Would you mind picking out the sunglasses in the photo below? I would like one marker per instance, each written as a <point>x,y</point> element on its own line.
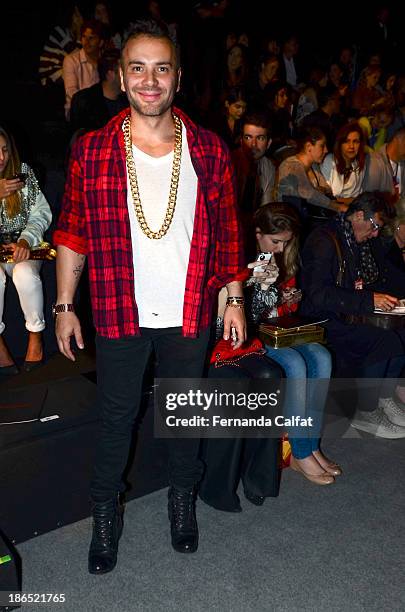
<point>375,225</point>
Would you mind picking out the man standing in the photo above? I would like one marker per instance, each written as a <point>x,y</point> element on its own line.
<point>150,201</point>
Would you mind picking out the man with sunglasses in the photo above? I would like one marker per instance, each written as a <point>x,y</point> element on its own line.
<point>346,279</point>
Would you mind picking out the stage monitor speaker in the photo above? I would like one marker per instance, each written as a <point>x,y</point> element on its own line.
<point>48,433</point>
<point>10,573</point>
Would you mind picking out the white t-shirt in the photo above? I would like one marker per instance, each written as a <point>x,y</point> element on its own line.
<point>160,266</point>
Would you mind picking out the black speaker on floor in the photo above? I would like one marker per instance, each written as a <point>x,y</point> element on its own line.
<point>48,432</point>
<point>10,573</point>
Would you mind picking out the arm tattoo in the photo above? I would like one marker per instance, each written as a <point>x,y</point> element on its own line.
<point>79,268</point>
<point>77,271</point>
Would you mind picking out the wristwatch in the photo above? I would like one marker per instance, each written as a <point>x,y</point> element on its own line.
<point>57,308</point>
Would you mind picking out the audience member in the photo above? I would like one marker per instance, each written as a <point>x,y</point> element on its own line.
<point>94,106</point>
<point>326,117</point>
<point>63,39</point>
<point>227,123</point>
<point>394,236</point>
<point>386,170</point>
<point>308,100</point>
<point>255,173</point>
<point>299,176</point>
<point>345,277</point>
<point>24,217</point>
<point>103,13</point>
<point>375,125</point>
<point>347,63</point>
<point>336,79</point>
<point>80,66</point>
<point>270,45</point>
<point>345,168</point>
<point>399,107</point>
<point>367,93</point>
<point>236,69</point>
<point>277,230</point>
<point>291,71</point>
<point>278,100</point>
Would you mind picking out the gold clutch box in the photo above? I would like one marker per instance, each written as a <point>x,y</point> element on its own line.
<point>282,337</point>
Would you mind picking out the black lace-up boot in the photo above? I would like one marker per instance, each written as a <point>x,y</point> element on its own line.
<point>183,522</point>
<point>107,529</point>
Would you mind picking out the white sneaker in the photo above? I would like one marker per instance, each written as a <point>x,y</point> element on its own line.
<point>393,411</point>
<point>376,423</point>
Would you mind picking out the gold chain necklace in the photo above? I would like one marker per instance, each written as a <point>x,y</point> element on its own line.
<point>174,182</point>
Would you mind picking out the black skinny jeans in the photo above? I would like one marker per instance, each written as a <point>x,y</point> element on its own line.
<point>121,366</point>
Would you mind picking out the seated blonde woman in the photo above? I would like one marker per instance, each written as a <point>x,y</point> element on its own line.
<point>24,217</point>
<point>367,93</point>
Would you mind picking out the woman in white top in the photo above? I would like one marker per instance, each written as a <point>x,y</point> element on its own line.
<point>344,169</point>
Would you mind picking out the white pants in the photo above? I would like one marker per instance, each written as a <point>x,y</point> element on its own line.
<point>27,281</point>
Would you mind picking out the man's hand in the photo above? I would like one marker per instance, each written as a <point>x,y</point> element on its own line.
<point>235,317</point>
<point>385,302</point>
<point>68,325</point>
<point>20,250</point>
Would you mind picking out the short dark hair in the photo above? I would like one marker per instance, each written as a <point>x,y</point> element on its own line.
<point>310,133</point>
<point>154,29</point>
<point>399,133</point>
<point>369,202</point>
<point>109,60</point>
<point>234,94</point>
<point>326,94</point>
<point>96,26</point>
<point>271,90</point>
<point>259,119</point>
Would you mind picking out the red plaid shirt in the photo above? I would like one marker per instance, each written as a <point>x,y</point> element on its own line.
<point>94,221</point>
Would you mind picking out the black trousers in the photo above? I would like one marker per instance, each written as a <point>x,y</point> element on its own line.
<point>121,366</point>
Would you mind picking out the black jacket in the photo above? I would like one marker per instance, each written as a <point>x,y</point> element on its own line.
<point>90,109</point>
<point>320,267</point>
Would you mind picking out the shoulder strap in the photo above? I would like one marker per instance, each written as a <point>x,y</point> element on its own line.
<point>342,263</point>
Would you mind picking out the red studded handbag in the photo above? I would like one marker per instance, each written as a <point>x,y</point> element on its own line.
<point>223,353</point>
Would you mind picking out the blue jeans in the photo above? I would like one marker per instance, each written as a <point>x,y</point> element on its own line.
<point>304,364</point>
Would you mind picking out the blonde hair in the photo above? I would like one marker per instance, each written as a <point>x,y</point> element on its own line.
<point>13,201</point>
